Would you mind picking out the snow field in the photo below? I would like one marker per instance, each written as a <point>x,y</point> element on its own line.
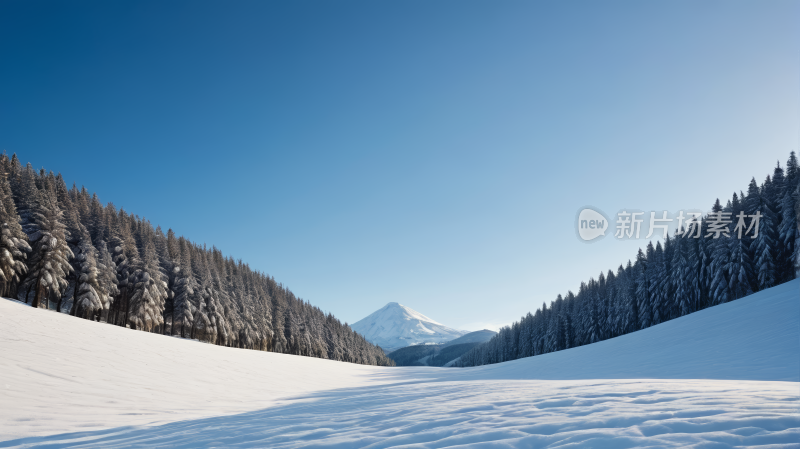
<point>724,377</point>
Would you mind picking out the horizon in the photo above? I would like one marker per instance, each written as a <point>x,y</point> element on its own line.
<point>360,163</point>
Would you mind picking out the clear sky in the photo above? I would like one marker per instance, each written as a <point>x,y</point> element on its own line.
<point>433,153</point>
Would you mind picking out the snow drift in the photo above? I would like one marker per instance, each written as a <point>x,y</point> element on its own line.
<point>724,377</point>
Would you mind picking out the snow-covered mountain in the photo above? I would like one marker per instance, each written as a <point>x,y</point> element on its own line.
<point>396,326</point>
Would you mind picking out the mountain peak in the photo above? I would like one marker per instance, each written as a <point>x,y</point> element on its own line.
<point>396,326</point>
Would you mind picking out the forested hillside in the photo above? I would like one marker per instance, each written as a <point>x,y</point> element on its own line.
<point>682,276</point>
<point>62,248</point>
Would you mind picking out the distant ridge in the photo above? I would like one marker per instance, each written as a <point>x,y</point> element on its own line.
<point>473,337</point>
<point>442,354</point>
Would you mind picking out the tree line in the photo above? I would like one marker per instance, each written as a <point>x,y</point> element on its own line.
<point>664,282</point>
<point>63,249</point>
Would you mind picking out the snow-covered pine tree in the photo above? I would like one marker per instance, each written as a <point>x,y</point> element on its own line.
<point>278,325</point>
<point>204,324</point>
<point>148,291</point>
<point>796,255</point>
<point>763,247</point>
<point>26,197</point>
<point>13,241</point>
<point>739,269</point>
<point>96,222</point>
<point>170,255</point>
<point>186,301</point>
<point>667,291</point>
<point>705,273</point>
<point>643,289</point>
<point>659,278</point>
<point>106,278</point>
<point>693,263</point>
<point>126,257</point>
<point>719,290</point>
<point>49,263</point>
<point>788,233</point>
<point>590,319</point>
<point>766,275</point>
<point>681,276</point>
<point>631,314</point>
<point>612,299</point>
<point>82,201</point>
<point>88,293</point>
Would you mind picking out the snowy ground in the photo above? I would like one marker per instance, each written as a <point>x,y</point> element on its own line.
<point>724,377</point>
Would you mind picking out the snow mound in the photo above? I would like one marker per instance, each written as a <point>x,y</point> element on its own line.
<point>396,326</point>
<point>724,377</point>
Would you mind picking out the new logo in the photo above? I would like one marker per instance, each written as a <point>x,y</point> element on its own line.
<point>591,224</point>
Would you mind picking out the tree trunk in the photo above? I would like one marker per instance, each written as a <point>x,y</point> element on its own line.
<point>127,306</point>
<point>28,293</point>
<point>60,300</point>
<point>36,295</point>
<point>74,299</point>
<point>118,306</point>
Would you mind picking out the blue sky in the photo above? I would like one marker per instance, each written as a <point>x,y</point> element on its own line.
<point>429,153</point>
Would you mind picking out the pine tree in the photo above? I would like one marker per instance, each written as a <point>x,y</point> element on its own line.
<point>106,279</point>
<point>88,293</point>
<point>51,253</point>
<point>788,233</point>
<point>796,254</point>
<point>13,242</point>
<point>26,195</point>
<point>738,270</point>
<point>681,279</point>
<point>186,301</point>
<point>705,273</point>
<point>148,292</point>
<point>126,257</point>
<point>643,287</point>
<point>659,278</point>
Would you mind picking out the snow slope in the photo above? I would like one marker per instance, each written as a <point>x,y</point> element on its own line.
<point>753,338</point>
<point>396,326</point>
<point>724,377</point>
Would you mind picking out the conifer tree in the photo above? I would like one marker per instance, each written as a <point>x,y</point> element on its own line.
<point>13,242</point>
<point>643,290</point>
<point>106,279</point>
<point>186,301</point>
<point>88,293</point>
<point>738,270</point>
<point>788,233</point>
<point>148,292</point>
<point>51,253</point>
<point>681,279</point>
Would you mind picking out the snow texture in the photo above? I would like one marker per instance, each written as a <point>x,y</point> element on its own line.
<point>723,377</point>
<point>396,326</point>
